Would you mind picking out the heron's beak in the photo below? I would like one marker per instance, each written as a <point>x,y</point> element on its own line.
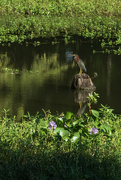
<point>72,54</point>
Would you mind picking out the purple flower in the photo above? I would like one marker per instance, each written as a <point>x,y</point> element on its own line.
<point>52,125</point>
<point>65,125</point>
<point>93,130</point>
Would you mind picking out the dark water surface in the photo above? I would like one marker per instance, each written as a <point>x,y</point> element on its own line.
<point>45,77</point>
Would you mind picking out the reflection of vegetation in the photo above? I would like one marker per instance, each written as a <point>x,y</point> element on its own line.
<point>10,70</point>
<point>4,60</point>
<point>47,65</point>
<point>5,67</point>
<point>42,69</point>
<point>16,86</point>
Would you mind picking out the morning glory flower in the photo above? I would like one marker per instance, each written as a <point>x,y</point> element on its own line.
<point>52,125</point>
<point>93,130</point>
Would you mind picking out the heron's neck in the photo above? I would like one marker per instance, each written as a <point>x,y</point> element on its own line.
<point>77,60</point>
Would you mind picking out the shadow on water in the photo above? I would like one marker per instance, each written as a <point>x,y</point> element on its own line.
<point>37,78</point>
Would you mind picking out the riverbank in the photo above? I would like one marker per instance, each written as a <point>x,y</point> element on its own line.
<point>67,147</point>
<point>92,20</point>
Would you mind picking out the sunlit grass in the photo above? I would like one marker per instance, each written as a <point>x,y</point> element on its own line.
<point>95,20</point>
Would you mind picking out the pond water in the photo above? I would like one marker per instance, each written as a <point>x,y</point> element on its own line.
<point>45,77</point>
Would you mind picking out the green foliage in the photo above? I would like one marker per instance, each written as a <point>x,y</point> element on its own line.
<point>31,149</point>
<point>92,20</point>
<point>93,98</point>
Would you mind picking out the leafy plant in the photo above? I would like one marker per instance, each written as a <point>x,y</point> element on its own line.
<point>95,21</point>
<point>46,143</point>
<point>93,99</point>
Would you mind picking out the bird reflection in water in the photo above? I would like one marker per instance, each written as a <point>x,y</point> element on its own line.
<point>80,97</point>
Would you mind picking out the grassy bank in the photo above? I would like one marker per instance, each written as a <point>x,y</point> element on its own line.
<point>57,147</point>
<point>95,20</point>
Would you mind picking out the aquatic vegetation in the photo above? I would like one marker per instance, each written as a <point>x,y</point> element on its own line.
<point>76,20</point>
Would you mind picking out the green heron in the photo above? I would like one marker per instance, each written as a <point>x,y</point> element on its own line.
<point>80,63</point>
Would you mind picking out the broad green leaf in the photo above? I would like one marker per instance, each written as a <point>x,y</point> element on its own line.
<point>76,122</point>
<point>68,115</point>
<point>95,113</point>
<point>57,130</point>
<point>66,138</point>
<point>63,133</point>
<point>75,137</point>
<point>60,119</point>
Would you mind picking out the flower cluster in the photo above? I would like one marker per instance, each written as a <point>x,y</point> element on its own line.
<point>52,125</point>
<point>93,130</point>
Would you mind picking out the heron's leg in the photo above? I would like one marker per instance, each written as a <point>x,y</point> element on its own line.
<point>80,72</point>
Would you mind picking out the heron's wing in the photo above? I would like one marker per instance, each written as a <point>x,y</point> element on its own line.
<point>82,65</point>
